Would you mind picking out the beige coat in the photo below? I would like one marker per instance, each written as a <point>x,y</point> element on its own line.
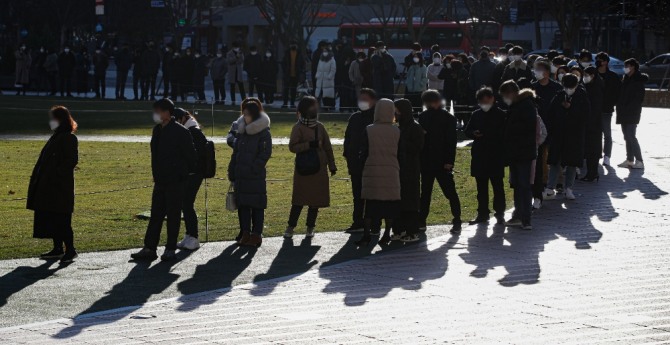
<point>312,190</point>
<point>381,174</point>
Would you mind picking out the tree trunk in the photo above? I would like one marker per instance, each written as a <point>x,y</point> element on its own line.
<point>538,32</point>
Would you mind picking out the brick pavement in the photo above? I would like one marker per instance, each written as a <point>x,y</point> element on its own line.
<point>593,271</point>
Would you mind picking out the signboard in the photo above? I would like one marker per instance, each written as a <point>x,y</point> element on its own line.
<point>186,42</point>
<point>158,3</point>
<point>99,7</point>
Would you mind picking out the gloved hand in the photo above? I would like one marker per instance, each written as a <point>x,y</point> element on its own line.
<point>313,144</point>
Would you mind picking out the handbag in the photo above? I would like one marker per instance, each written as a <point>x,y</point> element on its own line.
<point>231,204</point>
<point>308,162</point>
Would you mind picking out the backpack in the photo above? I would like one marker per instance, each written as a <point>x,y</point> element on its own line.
<point>308,162</point>
<point>210,160</point>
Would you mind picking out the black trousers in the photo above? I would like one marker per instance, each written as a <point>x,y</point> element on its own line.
<point>251,219</point>
<point>232,91</point>
<point>359,204</point>
<point>166,85</point>
<point>65,236</point>
<point>199,89</point>
<point>312,213</point>
<point>267,93</point>
<point>446,181</point>
<point>136,86</point>
<point>538,182</point>
<point>193,184</point>
<point>483,195</point>
<point>519,175</point>
<point>407,221</point>
<point>166,200</point>
<point>177,91</point>
<point>51,76</point>
<point>100,85</point>
<point>253,86</point>
<point>290,86</point>
<point>65,84</point>
<point>219,89</point>
<point>121,78</point>
<point>149,82</point>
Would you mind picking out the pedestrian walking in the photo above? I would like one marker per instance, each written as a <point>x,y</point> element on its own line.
<point>629,110</point>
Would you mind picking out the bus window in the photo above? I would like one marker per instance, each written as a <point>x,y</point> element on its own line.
<point>447,38</point>
<point>489,31</point>
<point>400,39</point>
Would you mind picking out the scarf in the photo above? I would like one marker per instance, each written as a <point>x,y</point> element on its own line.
<point>308,122</point>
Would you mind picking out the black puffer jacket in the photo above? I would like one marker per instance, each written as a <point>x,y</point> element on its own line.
<point>173,155</point>
<point>629,106</point>
<point>569,128</point>
<point>520,129</point>
<point>612,83</point>
<point>440,143</point>
<point>354,137</point>
<point>488,152</point>
<point>410,145</point>
<point>593,141</point>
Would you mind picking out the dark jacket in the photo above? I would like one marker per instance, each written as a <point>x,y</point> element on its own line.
<point>544,95</point>
<point>199,143</point>
<point>66,63</point>
<point>137,64</point>
<point>593,141</point>
<point>383,72</point>
<point>199,70</point>
<point>299,65</point>
<point>612,83</point>
<point>411,144</point>
<point>450,83</point>
<point>100,64</point>
<point>520,129</point>
<point>629,106</point>
<point>366,71</point>
<point>481,73</point>
<point>123,60</point>
<point>568,128</point>
<point>269,71</point>
<point>251,152</point>
<point>488,151</point>
<point>440,141</point>
<point>218,68</point>
<point>151,62</point>
<point>252,65</point>
<point>166,63</point>
<point>186,65</point>
<point>517,72</point>
<point>51,185</point>
<point>354,136</point>
<point>173,155</point>
<point>497,75</point>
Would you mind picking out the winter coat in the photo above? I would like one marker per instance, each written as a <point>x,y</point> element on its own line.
<point>516,71</point>
<point>151,62</point>
<point>629,106</point>
<point>166,63</point>
<point>199,143</point>
<point>456,80</point>
<point>497,75</point>
<point>481,74</point>
<point>100,64</point>
<point>123,60</point>
<point>252,65</point>
<point>325,77</point>
<point>383,72</point>
<point>544,94</point>
<point>66,63</point>
<point>235,66</point>
<point>355,74</point>
<point>440,141</point>
<point>218,68</point>
<point>199,70</point>
<point>299,65</point>
<point>593,141</point>
<point>488,151</point>
<point>366,71</point>
<point>521,129</point>
<point>410,145</point>
<point>51,63</point>
<point>447,74</point>
<point>354,137</point>
<point>23,62</point>
<point>417,78</point>
<point>312,190</point>
<point>186,66</point>
<point>434,81</point>
<point>568,128</point>
<point>137,64</point>
<point>51,185</point>
<point>173,155</point>
<point>612,83</point>
<point>251,152</point>
<point>269,71</point>
<point>381,172</point>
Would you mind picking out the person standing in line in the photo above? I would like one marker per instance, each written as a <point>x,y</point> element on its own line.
<point>570,111</point>
<point>482,71</point>
<point>353,140</point>
<point>326,69</point>
<point>520,149</point>
<point>292,67</point>
<point>166,68</point>
<point>81,68</point>
<point>23,61</point>
<point>612,84</point>
<point>417,81</point>
<point>66,64</point>
<point>193,181</point>
<point>433,72</point>
<point>173,159</point>
<point>100,64</point>
<point>268,80</point>
<point>186,66</point>
<point>312,190</point>
<point>51,67</point>
<point>37,72</point>
<point>438,158</point>
<point>355,73</point>
<point>199,74</point>
<point>123,61</point>
<point>366,70</point>
<point>487,128</point>
<point>235,59</point>
<point>252,148</point>
<point>595,89</point>
<point>217,72</point>
<point>315,58</point>
<point>252,65</point>
<point>381,172</point>
<point>406,223</point>
<point>502,62</point>
<point>462,94</point>
<point>51,188</point>
<point>383,71</point>
<point>629,111</point>
<point>151,62</point>
<point>178,87</point>
<point>517,69</point>
<point>447,74</point>
<point>137,73</point>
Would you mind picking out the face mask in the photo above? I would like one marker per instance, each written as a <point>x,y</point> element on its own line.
<point>361,60</point>
<point>324,53</point>
<point>553,69</point>
<point>416,60</point>
<point>507,101</point>
<point>219,55</point>
<point>437,61</point>
<point>383,50</point>
<point>587,79</point>
<point>268,54</point>
<point>539,75</point>
<point>197,55</point>
<point>66,50</point>
<point>585,64</point>
<point>570,92</point>
<point>560,76</point>
<point>236,49</point>
<point>515,58</point>
<point>485,107</point>
<point>362,105</point>
<point>503,57</point>
<point>157,118</point>
<point>41,50</point>
<point>448,64</point>
<point>626,70</point>
<point>53,124</point>
<point>254,53</point>
<point>167,50</point>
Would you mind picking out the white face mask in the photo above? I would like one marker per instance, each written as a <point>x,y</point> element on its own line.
<point>587,79</point>
<point>507,101</point>
<point>41,50</point>
<point>268,54</point>
<point>503,57</point>
<point>254,53</point>
<point>437,61</point>
<point>236,49</point>
<point>485,107</point>
<point>585,64</point>
<point>553,69</point>
<point>66,50</point>
<point>362,105</point>
<point>361,60</point>
<point>570,92</point>
<point>157,118</point>
<point>197,55</point>
<point>539,75</point>
<point>416,60</point>
<point>515,58</point>
<point>560,76</point>
<point>448,65</point>
<point>53,124</point>
<point>324,53</point>
<point>626,70</point>
<point>219,55</point>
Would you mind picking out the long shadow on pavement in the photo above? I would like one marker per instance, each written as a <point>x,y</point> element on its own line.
<point>24,276</point>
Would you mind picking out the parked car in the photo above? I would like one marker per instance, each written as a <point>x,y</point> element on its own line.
<point>616,65</point>
<point>656,68</point>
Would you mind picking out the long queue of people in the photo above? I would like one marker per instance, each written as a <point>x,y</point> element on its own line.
<point>544,122</point>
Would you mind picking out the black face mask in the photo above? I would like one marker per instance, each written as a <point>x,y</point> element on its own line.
<point>599,63</point>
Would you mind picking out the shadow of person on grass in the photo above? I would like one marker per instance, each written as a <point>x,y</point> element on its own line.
<point>142,282</point>
<point>23,277</point>
<point>289,259</point>
<point>219,271</point>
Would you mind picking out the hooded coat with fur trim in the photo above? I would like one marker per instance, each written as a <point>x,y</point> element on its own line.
<point>568,126</point>
<point>325,77</point>
<point>381,172</point>
<point>521,128</point>
<point>629,106</point>
<point>252,148</point>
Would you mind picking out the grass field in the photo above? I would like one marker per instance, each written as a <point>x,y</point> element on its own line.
<point>113,180</point>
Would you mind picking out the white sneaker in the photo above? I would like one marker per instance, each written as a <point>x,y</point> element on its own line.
<point>606,161</point>
<point>537,203</point>
<point>549,194</point>
<point>568,194</point>
<point>638,165</point>
<point>289,232</point>
<point>626,164</point>
<point>310,232</point>
<point>397,237</point>
<point>183,242</point>
<point>192,243</point>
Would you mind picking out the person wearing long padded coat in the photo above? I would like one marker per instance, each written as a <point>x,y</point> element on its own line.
<point>629,110</point>
<point>410,145</point>
<point>569,112</point>
<point>313,190</point>
<point>51,188</point>
<point>325,78</point>
<point>381,171</point>
<point>252,148</point>
<point>595,89</point>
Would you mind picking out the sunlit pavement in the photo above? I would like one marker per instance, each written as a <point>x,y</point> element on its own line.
<point>594,270</point>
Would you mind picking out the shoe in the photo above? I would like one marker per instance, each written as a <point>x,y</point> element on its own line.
<point>559,189</point>
<point>284,106</point>
<point>410,238</point>
<point>168,255</point>
<point>289,232</point>
<point>183,242</point>
<point>386,239</point>
<point>569,195</point>
<point>192,243</point>
<point>310,232</point>
<point>626,164</point>
<point>69,257</point>
<point>513,222</point>
<point>422,226</point>
<point>638,165</point>
<point>456,228</point>
<point>255,240</point>
<point>363,242</point>
<point>479,220</point>
<point>527,226</point>
<point>606,161</point>
<point>354,228</point>
<point>537,204</point>
<point>145,254</point>
<point>397,237</point>
<point>549,194</point>
<point>242,238</point>
<point>590,178</point>
<point>53,254</point>
<point>375,232</point>
<point>500,220</point>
